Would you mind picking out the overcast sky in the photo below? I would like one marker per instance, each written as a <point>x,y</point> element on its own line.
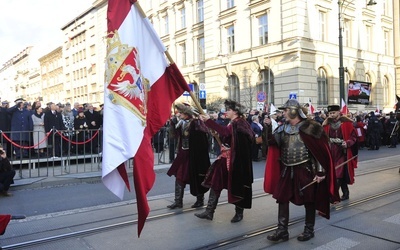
<point>36,23</point>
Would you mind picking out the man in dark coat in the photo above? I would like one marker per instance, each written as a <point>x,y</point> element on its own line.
<point>298,155</point>
<point>7,173</point>
<point>53,120</point>
<point>5,126</point>
<point>233,169</point>
<point>95,121</point>
<point>192,160</point>
<point>21,127</point>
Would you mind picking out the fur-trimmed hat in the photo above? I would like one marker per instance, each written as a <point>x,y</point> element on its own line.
<point>184,109</point>
<point>235,106</point>
<point>333,108</point>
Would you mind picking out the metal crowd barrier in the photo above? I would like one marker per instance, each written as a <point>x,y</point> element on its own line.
<point>79,152</point>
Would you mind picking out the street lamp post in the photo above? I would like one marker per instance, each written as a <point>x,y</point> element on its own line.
<point>343,4</point>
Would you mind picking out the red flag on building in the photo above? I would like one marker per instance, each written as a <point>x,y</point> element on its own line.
<point>344,109</point>
<point>139,91</point>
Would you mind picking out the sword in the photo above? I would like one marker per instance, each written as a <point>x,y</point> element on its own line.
<point>394,129</point>
<point>338,166</point>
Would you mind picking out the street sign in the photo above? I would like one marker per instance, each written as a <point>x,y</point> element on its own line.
<point>202,86</point>
<point>202,94</point>
<point>293,96</point>
<point>191,88</point>
<point>261,96</point>
<point>260,106</point>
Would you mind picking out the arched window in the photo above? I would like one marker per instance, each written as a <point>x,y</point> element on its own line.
<point>322,82</point>
<point>385,86</point>
<point>234,88</point>
<point>266,81</point>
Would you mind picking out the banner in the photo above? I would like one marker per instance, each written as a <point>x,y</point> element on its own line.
<point>359,92</point>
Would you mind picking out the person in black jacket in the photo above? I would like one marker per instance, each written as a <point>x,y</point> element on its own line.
<point>7,173</point>
<point>94,122</point>
<point>52,123</point>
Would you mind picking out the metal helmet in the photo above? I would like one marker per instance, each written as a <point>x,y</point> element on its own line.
<point>295,108</point>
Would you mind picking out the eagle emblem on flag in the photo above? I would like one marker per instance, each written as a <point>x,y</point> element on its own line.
<point>125,84</point>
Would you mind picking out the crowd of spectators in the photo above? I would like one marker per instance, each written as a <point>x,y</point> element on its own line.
<point>49,131</point>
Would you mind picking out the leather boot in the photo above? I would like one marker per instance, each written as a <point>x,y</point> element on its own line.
<point>281,233</point>
<point>345,190</point>
<point>199,202</point>
<point>310,221</point>
<point>211,206</point>
<point>178,197</point>
<point>238,214</point>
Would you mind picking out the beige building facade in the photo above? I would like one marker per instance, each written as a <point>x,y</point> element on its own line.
<point>237,49</point>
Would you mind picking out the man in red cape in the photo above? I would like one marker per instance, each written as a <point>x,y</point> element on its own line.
<point>298,155</point>
<point>343,146</point>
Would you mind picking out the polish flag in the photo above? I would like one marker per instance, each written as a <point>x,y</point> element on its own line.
<point>139,90</point>
<point>311,108</point>
<point>344,109</point>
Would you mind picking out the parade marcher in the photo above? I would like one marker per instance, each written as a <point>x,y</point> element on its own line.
<point>7,173</point>
<point>192,160</point>
<point>343,146</point>
<point>299,155</point>
<point>233,169</point>
<point>392,126</point>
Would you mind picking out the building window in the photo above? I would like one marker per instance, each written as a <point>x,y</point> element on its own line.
<point>200,11</point>
<point>183,18</point>
<point>263,29</point>
<point>368,37</point>
<point>347,33</point>
<point>266,77</point>
<point>385,86</point>
<point>322,26</point>
<point>182,51</point>
<point>234,88</point>
<point>230,4</point>
<point>322,87</point>
<point>386,42</point>
<point>166,25</point>
<point>231,38</point>
<point>200,49</point>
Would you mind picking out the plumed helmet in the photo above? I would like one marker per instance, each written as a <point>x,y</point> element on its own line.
<point>295,108</point>
<point>184,109</point>
<point>235,106</point>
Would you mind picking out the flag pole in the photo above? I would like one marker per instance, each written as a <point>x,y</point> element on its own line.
<point>171,61</point>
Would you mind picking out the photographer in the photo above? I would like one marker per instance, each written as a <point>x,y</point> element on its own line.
<point>6,173</point>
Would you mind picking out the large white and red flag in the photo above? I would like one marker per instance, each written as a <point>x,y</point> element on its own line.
<point>139,90</point>
<point>344,110</point>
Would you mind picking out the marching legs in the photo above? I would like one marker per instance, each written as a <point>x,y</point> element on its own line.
<point>281,233</point>
<point>211,206</point>
<point>178,196</point>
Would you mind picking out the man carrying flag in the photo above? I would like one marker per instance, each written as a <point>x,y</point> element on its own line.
<point>139,90</point>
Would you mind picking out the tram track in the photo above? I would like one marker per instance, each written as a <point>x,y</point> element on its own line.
<point>222,244</point>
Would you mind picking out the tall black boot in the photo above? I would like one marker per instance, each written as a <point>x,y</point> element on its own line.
<point>345,190</point>
<point>310,222</point>
<point>211,206</point>
<point>199,202</point>
<point>281,233</point>
<point>238,214</point>
<point>178,196</point>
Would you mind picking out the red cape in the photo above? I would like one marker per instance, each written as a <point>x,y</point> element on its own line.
<point>347,129</point>
<point>319,148</point>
